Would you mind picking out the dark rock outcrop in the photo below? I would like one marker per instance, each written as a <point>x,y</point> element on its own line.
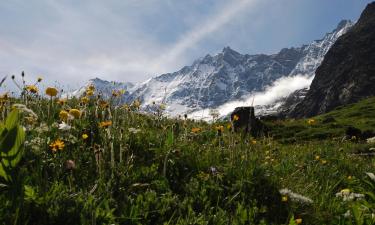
<point>244,120</point>
<point>347,73</point>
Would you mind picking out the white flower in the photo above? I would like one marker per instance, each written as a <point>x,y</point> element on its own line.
<point>23,108</point>
<point>371,140</point>
<point>347,195</point>
<point>134,130</point>
<point>371,175</point>
<point>64,126</point>
<point>295,197</point>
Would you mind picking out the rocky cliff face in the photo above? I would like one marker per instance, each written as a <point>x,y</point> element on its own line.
<point>347,73</point>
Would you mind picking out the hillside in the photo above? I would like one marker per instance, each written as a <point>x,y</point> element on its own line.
<point>88,161</point>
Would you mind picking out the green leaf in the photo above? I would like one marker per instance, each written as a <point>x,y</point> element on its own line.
<point>12,119</point>
<point>169,141</point>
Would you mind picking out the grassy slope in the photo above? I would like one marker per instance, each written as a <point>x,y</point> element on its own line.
<point>360,115</point>
<point>170,175</point>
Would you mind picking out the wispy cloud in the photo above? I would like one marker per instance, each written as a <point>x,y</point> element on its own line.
<point>203,30</point>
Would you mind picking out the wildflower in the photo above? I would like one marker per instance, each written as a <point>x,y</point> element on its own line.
<point>62,101</point>
<point>136,104</point>
<point>126,107</point>
<point>75,112</point>
<point>323,161</point>
<point>311,121</point>
<point>103,104</point>
<point>350,177</point>
<point>91,87</point>
<point>317,157</point>
<point>162,106</point>
<point>23,108</point>
<point>196,129</point>
<point>298,221</point>
<point>371,176</point>
<point>51,91</point>
<point>295,197</point>
<point>229,126</point>
<point>32,89</point>
<point>85,100</point>
<point>370,140</point>
<point>4,97</point>
<point>89,93</point>
<point>85,136</point>
<point>57,145</point>
<point>284,198</point>
<point>220,128</point>
<point>116,93</point>
<point>63,115</point>
<point>347,195</point>
<point>235,118</point>
<point>70,164</point>
<point>253,142</point>
<point>134,130</point>
<point>105,124</point>
<point>40,79</point>
<point>64,126</point>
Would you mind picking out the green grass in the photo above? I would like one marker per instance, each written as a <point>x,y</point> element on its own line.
<point>163,173</point>
<point>330,125</point>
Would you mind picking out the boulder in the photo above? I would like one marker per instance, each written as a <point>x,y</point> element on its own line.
<point>244,119</point>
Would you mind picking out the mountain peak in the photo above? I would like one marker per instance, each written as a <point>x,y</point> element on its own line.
<point>228,50</point>
<point>343,23</point>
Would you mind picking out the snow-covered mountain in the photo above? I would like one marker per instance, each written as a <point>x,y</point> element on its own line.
<point>228,76</point>
<point>104,88</point>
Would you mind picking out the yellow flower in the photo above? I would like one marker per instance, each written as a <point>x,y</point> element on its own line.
<point>235,118</point>
<point>126,107</point>
<point>229,126</point>
<point>63,115</point>
<point>62,101</point>
<point>91,87</point>
<point>284,198</point>
<point>75,112</point>
<point>162,106</point>
<point>51,91</point>
<point>85,136</point>
<point>253,142</point>
<point>196,129</point>
<point>220,128</point>
<point>89,93</point>
<point>105,124</point>
<point>317,157</point>
<point>103,104</point>
<point>85,100</point>
<point>345,191</point>
<point>4,97</point>
<point>136,104</point>
<point>32,88</point>
<point>323,161</point>
<point>298,221</point>
<point>350,177</point>
<point>311,121</point>
<point>57,145</point>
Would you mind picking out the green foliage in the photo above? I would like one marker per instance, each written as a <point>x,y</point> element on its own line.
<point>12,137</point>
<point>147,169</point>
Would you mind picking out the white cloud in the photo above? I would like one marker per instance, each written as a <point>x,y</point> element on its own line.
<point>279,89</point>
<point>202,30</point>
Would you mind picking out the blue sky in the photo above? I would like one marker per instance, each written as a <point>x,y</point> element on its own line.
<point>68,42</point>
